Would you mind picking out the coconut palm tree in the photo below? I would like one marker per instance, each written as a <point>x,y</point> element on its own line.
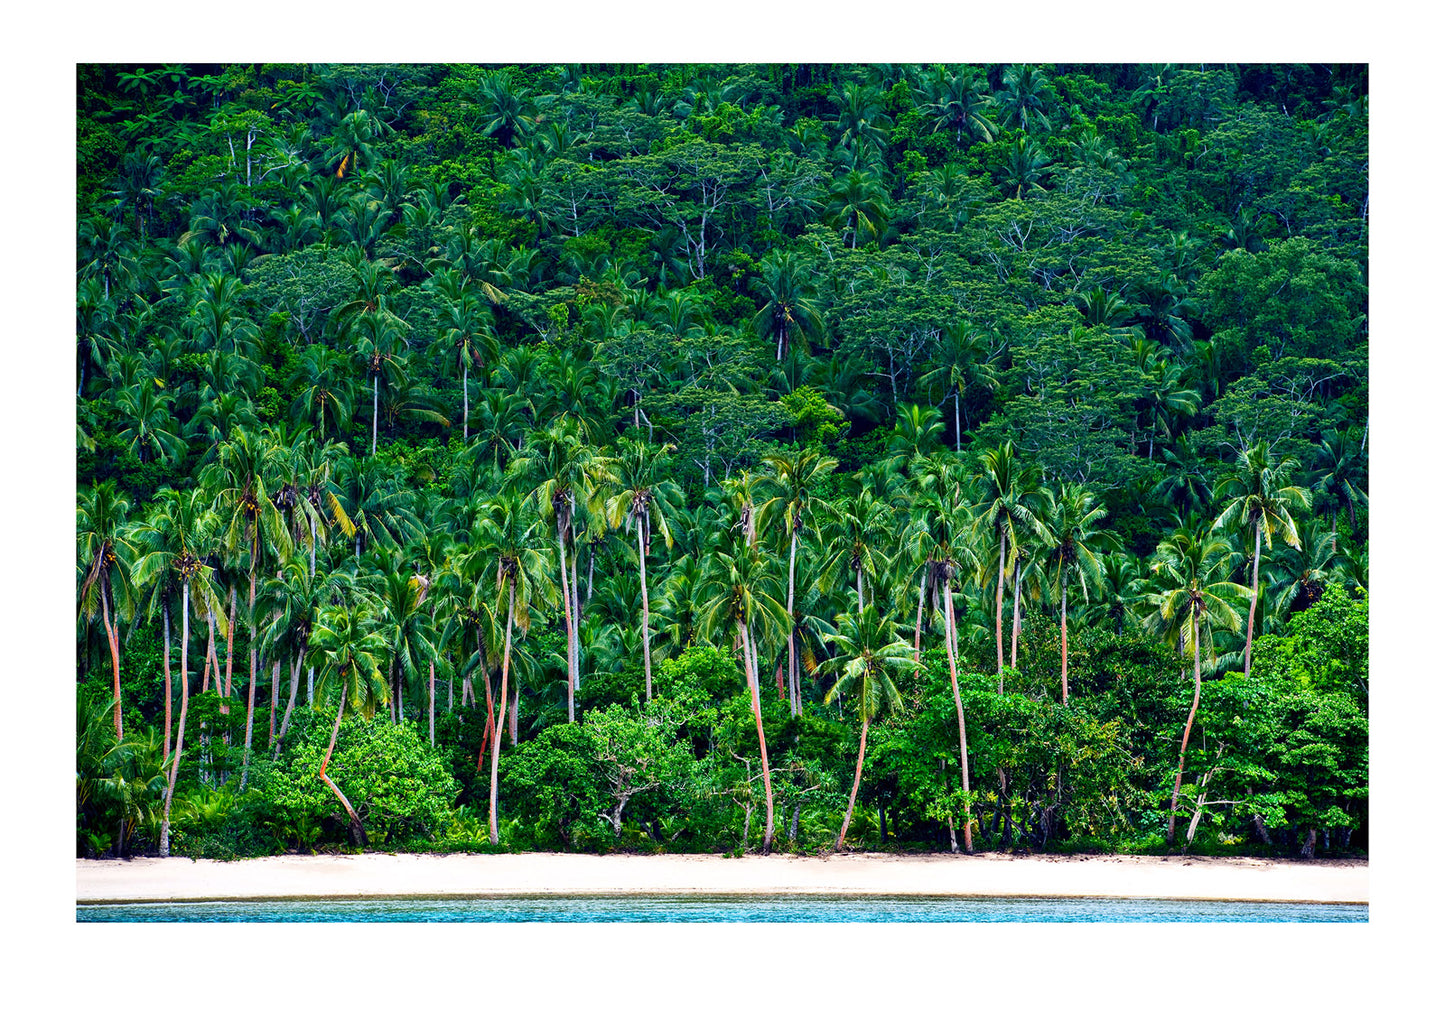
<point>959,102</point>
<point>740,589</point>
<point>857,204</point>
<point>795,478</point>
<point>1342,472</point>
<point>1011,507</point>
<point>105,553</point>
<point>174,539</point>
<point>961,362</point>
<point>1074,556</point>
<point>1194,600</point>
<point>347,647</point>
<point>870,652</point>
<point>239,477</point>
<point>465,333</point>
<point>791,308</point>
<point>1260,501</point>
<point>511,538</point>
<point>645,492</point>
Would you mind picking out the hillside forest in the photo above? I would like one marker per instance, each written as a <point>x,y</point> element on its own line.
<point>722,458</point>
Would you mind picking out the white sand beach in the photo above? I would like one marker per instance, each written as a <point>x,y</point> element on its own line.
<point>982,875</point>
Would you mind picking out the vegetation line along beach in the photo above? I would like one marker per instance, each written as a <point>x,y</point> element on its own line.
<point>765,461</point>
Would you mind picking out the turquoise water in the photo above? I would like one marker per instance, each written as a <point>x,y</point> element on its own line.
<point>723,909</point>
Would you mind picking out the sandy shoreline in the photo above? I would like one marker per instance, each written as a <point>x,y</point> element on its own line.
<point>983,875</point>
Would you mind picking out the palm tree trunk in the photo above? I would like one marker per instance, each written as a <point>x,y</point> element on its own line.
<point>860,590</point>
<point>750,666</point>
<point>792,645</point>
<point>375,401</point>
<point>210,654</point>
<point>497,737</point>
<point>1013,659</point>
<point>957,432</point>
<point>1064,638</point>
<point>958,708</point>
<point>230,648</point>
<point>110,637</point>
<point>275,694</point>
<point>356,826</point>
<point>998,611</point>
<point>1253,598</point>
<point>1179,775</point>
<point>857,778</point>
<point>465,408</point>
<point>290,703</point>
<point>251,695</point>
<point>918,623</point>
<point>646,643</point>
<point>487,683</point>
<point>431,704</point>
<point>166,626</point>
<point>567,617</point>
<point>576,620</point>
<point>165,844</point>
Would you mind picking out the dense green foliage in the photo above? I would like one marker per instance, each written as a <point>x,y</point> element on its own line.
<point>685,457</point>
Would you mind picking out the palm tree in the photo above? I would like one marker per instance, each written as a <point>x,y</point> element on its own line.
<point>347,648</point>
<point>791,306</point>
<point>1011,506</point>
<point>405,630</point>
<point>325,390</point>
<point>858,204</point>
<point>1260,501</point>
<point>1342,472</point>
<point>1025,167</point>
<point>645,490</point>
<point>181,526</point>
<point>1022,97</point>
<point>738,588</point>
<point>959,102</point>
<point>961,362</point>
<point>1074,556</point>
<point>379,341</point>
<point>1194,601</point>
<point>466,333</point>
<point>510,538</point>
<point>239,477</point>
<point>105,554</point>
<point>568,468</point>
<point>869,653</point>
<point>1300,576</point>
<point>794,479</point>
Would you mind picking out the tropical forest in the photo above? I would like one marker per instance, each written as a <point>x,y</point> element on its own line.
<point>722,459</point>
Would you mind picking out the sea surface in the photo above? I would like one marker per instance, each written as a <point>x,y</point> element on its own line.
<point>790,908</point>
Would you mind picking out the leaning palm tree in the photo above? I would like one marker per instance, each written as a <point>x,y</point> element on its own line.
<point>869,653</point>
<point>1261,500</point>
<point>348,648</point>
<point>1195,600</point>
<point>739,589</point>
<point>104,557</point>
<point>793,482</point>
<point>1074,556</point>
<point>645,491</point>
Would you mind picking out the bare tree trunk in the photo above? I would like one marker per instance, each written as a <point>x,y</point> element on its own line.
<point>431,704</point>
<point>487,684</point>
<point>857,778</point>
<point>230,649</point>
<point>576,619</point>
<point>275,694</point>
<point>251,696</point>
<point>497,737</point>
<point>958,708</point>
<point>375,398</point>
<point>1179,776</point>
